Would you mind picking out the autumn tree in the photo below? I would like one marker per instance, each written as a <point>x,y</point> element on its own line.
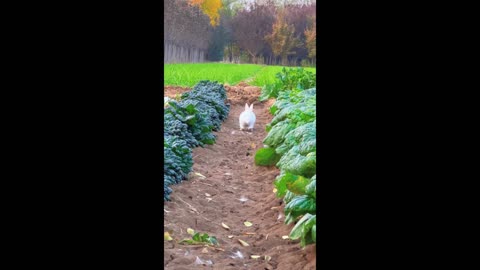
<point>282,39</point>
<point>298,16</point>
<point>311,40</point>
<point>211,8</point>
<point>250,28</point>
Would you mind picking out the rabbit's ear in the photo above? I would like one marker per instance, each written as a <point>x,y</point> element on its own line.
<point>251,107</point>
<point>246,107</point>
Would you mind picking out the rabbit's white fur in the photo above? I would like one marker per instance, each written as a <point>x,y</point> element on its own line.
<point>247,118</point>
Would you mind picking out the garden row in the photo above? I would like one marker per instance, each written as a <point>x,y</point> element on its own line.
<point>291,146</point>
<point>188,123</point>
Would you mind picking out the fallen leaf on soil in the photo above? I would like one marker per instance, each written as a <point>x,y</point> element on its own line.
<point>228,173</point>
<point>267,258</point>
<point>190,231</point>
<point>208,195</point>
<point>255,256</point>
<point>248,224</point>
<point>237,254</point>
<point>201,175</point>
<point>225,226</point>
<point>209,199</point>
<point>275,207</point>
<point>204,250</point>
<point>285,237</point>
<point>249,233</point>
<point>199,261</point>
<point>243,199</point>
<point>266,237</point>
<point>230,236</point>
<point>253,146</point>
<point>167,237</point>
<point>274,190</point>
<point>245,244</point>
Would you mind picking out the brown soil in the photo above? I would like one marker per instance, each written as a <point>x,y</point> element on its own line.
<point>230,175</point>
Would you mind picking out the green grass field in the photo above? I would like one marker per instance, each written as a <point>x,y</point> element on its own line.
<point>191,74</point>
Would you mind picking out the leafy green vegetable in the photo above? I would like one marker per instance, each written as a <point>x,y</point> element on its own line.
<point>311,188</point>
<point>289,79</point>
<point>300,205</point>
<point>199,238</point>
<point>189,123</point>
<point>297,163</point>
<point>305,229</point>
<point>293,183</point>
<point>292,133</point>
<point>266,157</point>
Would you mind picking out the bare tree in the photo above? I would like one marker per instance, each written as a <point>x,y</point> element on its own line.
<point>250,28</point>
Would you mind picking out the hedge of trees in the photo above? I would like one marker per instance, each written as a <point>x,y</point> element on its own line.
<point>268,32</point>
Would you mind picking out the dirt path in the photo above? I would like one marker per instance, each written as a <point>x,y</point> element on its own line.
<point>239,191</point>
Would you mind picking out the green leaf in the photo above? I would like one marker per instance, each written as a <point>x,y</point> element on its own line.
<point>289,219</point>
<point>281,183</point>
<point>196,237</point>
<point>266,157</point>
<point>297,230</point>
<point>213,240</point>
<point>300,205</point>
<point>288,196</point>
<point>204,238</point>
<point>298,185</point>
<point>190,109</point>
<point>311,188</point>
<point>314,233</point>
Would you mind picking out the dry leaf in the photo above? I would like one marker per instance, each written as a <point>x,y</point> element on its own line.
<point>255,256</point>
<point>167,237</point>
<point>230,236</point>
<point>249,233</point>
<point>253,146</point>
<point>208,195</point>
<point>209,199</point>
<point>267,258</point>
<point>248,224</point>
<point>285,237</point>
<point>205,250</point>
<point>275,207</point>
<point>274,190</point>
<point>201,175</point>
<point>225,226</point>
<point>245,244</point>
<point>266,237</point>
<point>228,173</point>
<point>190,231</point>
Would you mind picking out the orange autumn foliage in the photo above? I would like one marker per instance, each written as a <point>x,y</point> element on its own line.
<point>211,8</point>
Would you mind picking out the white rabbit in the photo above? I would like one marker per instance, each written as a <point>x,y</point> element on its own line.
<point>247,118</point>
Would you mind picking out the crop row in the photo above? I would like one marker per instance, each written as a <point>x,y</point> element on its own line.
<point>188,74</point>
<point>189,123</point>
<point>291,146</point>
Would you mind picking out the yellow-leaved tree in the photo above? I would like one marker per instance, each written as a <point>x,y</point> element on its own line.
<point>311,40</point>
<point>211,8</point>
<point>282,39</point>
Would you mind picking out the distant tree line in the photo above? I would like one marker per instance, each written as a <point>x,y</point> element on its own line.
<point>263,32</point>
